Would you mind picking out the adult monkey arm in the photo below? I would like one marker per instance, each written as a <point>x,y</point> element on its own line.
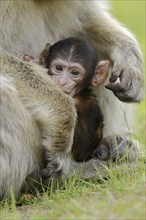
<point>120,46</point>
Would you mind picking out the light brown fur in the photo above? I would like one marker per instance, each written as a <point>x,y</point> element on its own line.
<point>36,116</point>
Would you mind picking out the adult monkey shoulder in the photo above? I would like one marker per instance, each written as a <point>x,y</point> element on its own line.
<point>32,121</point>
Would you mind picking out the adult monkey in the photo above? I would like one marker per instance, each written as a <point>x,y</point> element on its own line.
<point>25,24</point>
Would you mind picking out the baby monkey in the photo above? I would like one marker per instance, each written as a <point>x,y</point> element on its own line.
<point>73,64</point>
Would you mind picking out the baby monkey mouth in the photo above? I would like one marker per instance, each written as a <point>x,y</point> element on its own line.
<point>68,90</point>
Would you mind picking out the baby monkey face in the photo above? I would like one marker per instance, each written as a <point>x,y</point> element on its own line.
<point>68,75</point>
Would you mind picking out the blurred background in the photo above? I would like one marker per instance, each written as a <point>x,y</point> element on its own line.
<point>132,13</point>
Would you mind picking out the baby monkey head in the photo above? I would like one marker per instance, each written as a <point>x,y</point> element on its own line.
<point>73,64</point>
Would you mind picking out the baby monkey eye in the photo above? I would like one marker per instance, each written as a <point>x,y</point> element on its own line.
<point>75,72</point>
<point>58,67</point>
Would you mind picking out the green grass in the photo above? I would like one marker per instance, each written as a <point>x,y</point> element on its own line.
<point>123,195</point>
<point>120,197</point>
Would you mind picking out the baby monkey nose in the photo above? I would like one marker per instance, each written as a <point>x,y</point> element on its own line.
<point>62,82</point>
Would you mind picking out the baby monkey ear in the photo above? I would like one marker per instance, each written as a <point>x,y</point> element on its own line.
<point>44,54</point>
<point>47,46</point>
<point>101,72</point>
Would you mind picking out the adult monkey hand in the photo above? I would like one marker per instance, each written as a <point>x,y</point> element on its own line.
<point>120,46</point>
<point>126,80</point>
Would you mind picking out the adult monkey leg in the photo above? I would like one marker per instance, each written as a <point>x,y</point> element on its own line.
<point>37,117</point>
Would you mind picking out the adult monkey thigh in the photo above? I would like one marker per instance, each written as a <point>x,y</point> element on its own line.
<point>26,26</point>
